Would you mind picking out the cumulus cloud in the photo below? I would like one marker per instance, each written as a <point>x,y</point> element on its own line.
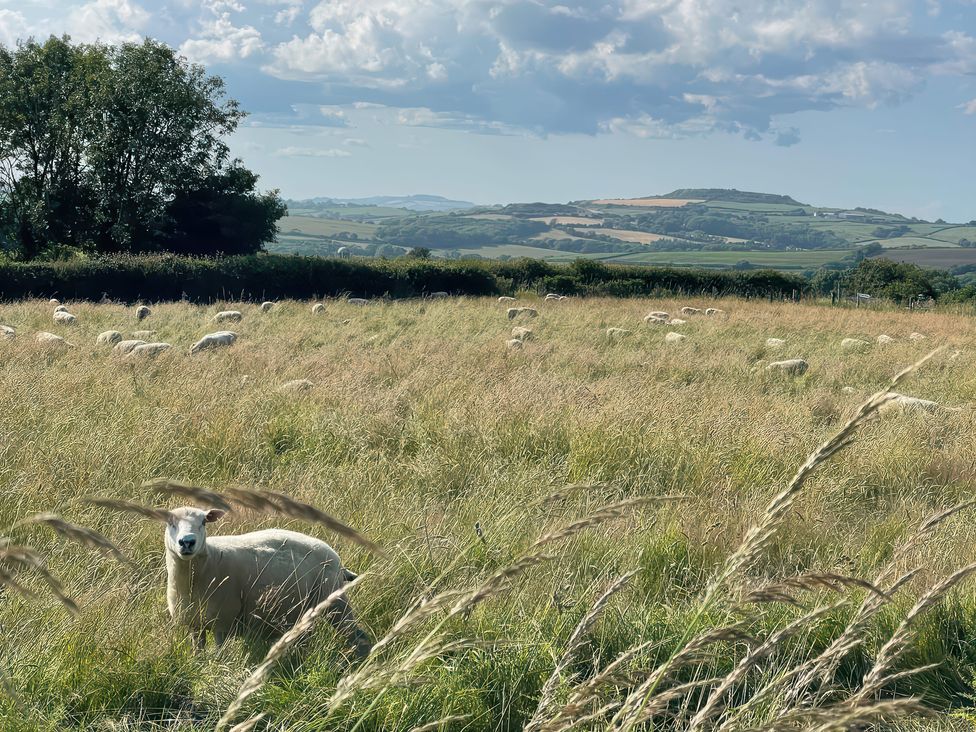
<point>221,40</point>
<point>968,107</point>
<point>110,21</point>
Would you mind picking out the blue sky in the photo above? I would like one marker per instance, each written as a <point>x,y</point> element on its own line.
<point>835,102</point>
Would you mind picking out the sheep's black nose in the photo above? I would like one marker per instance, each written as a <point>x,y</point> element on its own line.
<point>187,542</point>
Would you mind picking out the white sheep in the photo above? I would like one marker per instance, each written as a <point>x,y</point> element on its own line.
<point>54,301</point>
<point>506,298</point>
<point>357,301</point>
<point>147,350</point>
<point>142,312</point>
<point>220,339</point>
<point>125,347</point>
<point>791,366</point>
<point>521,333</point>
<point>555,296</point>
<point>514,343</point>
<point>267,579</point>
<point>654,319</point>
<point>108,338</point>
<point>49,339</point>
<point>916,337</point>
<point>714,311</point>
<point>527,312</point>
<point>690,311</point>
<point>440,294</point>
<point>902,404</point>
<point>318,308</point>
<point>62,317</point>
<point>673,337</point>
<point>7,332</point>
<point>296,386</point>
<point>677,321</point>
<point>885,339</point>
<point>343,252</point>
<point>854,344</point>
<point>228,316</point>
<point>60,309</point>
<point>775,343</point>
<point>616,333</point>
<point>659,314</point>
<point>266,306</point>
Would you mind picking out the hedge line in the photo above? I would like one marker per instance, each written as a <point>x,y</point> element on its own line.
<point>270,277</point>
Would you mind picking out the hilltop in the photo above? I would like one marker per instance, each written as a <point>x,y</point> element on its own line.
<point>694,227</point>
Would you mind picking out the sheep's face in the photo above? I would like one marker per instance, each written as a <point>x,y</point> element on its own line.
<point>186,531</point>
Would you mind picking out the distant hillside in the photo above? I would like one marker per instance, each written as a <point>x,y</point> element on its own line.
<point>417,202</point>
<point>730,194</point>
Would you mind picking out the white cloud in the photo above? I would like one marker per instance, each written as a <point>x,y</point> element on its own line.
<point>312,152</point>
<point>110,21</point>
<point>221,40</point>
<point>968,107</point>
<point>13,26</point>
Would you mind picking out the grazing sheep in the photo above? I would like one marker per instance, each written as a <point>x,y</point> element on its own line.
<point>714,311</point>
<point>220,339</point>
<point>677,321</point>
<point>674,337</point>
<point>7,332</point>
<point>514,343</point>
<point>854,344</point>
<point>266,306</point>
<point>885,339</point>
<point>775,343</point>
<point>527,312</point>
<point>49,339</point>
<point>615,333</point>
<point>791,367</point>
<point>506,298</point>
<point>916,337</point>
<point>318,308</point>
<point>554,296</point>
<point>228,316</point>
<point>659,314</point>
<point>653,319</point>
<point>267,579</point>
<point>523,334</point>
<point>54,301</point>
<point>108,338</point>
<point>142,312</point>
<point>343,252</point>
<point>439,294</point>
<point>143,334</point>
<point>357,301</point>
<point>125,347</point>
<point>902,404</point>
<point>64,318</point>
<point>60,309</point>
<point>148,350</point>
<point>296,386</point>
<point>690,311</point>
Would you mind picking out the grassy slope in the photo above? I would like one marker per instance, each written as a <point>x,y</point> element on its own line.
<point>422,425</point>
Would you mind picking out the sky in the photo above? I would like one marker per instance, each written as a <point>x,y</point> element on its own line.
<point>835,102</point>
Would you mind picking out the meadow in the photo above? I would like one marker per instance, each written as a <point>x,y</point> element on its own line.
<point>565,527</point>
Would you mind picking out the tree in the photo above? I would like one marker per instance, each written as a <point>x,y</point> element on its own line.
<point>121,149</point>
<point>419,253</point>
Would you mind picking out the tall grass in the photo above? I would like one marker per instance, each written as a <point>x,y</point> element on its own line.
<point>531,567</point>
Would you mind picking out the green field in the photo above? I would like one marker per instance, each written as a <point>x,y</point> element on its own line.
<point>932,257</point>
<point>910,241</point>
<point>319,227</point>
<point>509,490</point>
<point>773,259</point>
<point>954,234</point>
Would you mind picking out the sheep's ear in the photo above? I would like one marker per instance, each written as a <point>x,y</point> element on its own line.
<point>212,515</point>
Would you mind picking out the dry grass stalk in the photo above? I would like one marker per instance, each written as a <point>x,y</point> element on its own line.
<point>156,514</point>
<point>248,724</point>
<point>169,487</point>
<point>576,640</point>
<point>437,724</point>
<point>607,513</point>
<point>81,534</point>
<point>259,675</point>
<point>781,591</point>
<point>18,558</point>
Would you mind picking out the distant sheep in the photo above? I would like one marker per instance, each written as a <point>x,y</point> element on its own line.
<point>791,367</point>
<point>296,386</point>
<point>440,294</point>
<point>714,311</point>
<point>654,319</point>
<point>267,578</point>
<point>108,338</point>
<point>527,312</point>
<point>691,311</point>
<point>916,337</point>
<point>885,339</point>
<point>658,314</point>
<point>677,321</point>
<point>7,332</point>
<point>220,339</point>
<point>343,252</point>
<point>318,308</point>
<point>49,339</point>
<point>555,296</point>
<point>902,404</point>
<point>266,306</point>
<point>148,350</point>
<point>854,344</point>
<point>506,298</point>
<point>514,343</point>
<point>227,316</point>
<point>775,343</point>
<point>142,312</point>
<point>357,301</point>
<point>616,333</point>
<point>521,333</point>
<point>60,309</point>
<point>125,347</point>
<point>674,338</point>
<point>64,318</point>
<point>54,301</point>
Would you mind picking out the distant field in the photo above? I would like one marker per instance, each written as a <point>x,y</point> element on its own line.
<point>648,202</point>
<point>954,234</point>
<point>775,260</point>
<point>555,234</point>
<point>930,257</point>
<point>771,207</point>
<point>909,241</point>
<point>490,217</point>
<point>313,226</point>
<point>567,220</point>
<point>638,237</point>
